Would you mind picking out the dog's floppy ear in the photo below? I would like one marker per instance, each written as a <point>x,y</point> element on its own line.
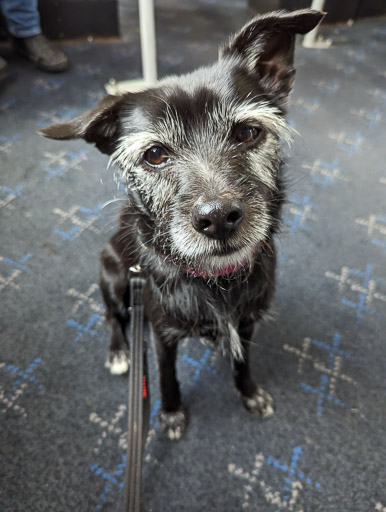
<point>266,45</point>
<point>99,125</point>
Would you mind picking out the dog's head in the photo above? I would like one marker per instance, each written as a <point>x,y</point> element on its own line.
<point>202,151</point>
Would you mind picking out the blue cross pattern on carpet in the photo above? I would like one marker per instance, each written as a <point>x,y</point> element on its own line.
<point>301,211</point>
<point>349,142</point>
<point>381,243</point>
<point>369,116</point>
<point>330,372</point>
<point>79,223</point>
<point>294,481</point>
<point>23,379</point>
<point>376,241</point>
<point>14,270</point>
<point>290,471</point>
<point>325,173</point>
<point>376,227</point>
<point>199,365</point>
<point>11,194</point>
<point>361,283</point>
<point>113,479</point>
<point>85,302</point>
<point>24,375</point>
<point>20,265</point>
<point>322,393</point>
<point>63,161</point>
<point>90,328</point>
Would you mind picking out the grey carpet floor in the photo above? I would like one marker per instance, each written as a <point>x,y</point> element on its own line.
<point>322,355</point>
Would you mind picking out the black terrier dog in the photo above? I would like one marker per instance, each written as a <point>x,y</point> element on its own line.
<point>201,156</point>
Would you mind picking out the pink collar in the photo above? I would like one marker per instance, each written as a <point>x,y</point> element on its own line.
<point>224,271</point>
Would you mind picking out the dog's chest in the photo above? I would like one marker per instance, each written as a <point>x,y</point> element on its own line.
<point>198,308</point>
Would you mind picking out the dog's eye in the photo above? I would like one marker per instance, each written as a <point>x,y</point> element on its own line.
<point>245,133</point>
<point>156,156</point>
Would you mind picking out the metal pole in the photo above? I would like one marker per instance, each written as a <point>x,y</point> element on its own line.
<point>148,54</point>
<point>148,43</point>
<point>311,40</point>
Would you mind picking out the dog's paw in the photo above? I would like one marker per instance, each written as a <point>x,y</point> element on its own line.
<point>118,361</point>
<point>260,403</point>
<point>173,424</point>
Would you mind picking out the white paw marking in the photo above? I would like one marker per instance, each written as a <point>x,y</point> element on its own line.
<point>118,363</point>
<point>173,424</point>
<point>261,402</point>
<point>174,435</point>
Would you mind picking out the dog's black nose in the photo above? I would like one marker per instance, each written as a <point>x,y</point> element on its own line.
<point>217,218</point>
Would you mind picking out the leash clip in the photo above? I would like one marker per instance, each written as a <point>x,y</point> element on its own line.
<point>136,287</point>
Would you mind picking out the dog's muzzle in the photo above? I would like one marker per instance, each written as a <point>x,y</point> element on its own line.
<point>217,218</point>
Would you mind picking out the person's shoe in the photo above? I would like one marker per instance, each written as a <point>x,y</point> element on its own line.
<point>3,67</point>
<point>44,54</point>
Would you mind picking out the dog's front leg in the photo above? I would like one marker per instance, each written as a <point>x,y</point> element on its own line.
<point>254,398</point>
<point>172,416</point>
<point>114,283</point>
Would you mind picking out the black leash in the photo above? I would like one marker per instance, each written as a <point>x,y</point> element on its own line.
<point>139,400</point>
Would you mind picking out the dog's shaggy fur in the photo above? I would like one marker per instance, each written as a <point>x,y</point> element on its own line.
<point>201,156</point>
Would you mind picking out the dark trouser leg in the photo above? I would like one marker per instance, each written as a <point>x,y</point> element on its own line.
<point>22,17</point>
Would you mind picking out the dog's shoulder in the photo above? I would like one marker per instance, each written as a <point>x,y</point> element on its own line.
<point>123,243</point>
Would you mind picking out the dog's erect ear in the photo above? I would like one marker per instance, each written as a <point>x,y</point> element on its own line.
<point>99,125</point>
<point>267,43</point>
